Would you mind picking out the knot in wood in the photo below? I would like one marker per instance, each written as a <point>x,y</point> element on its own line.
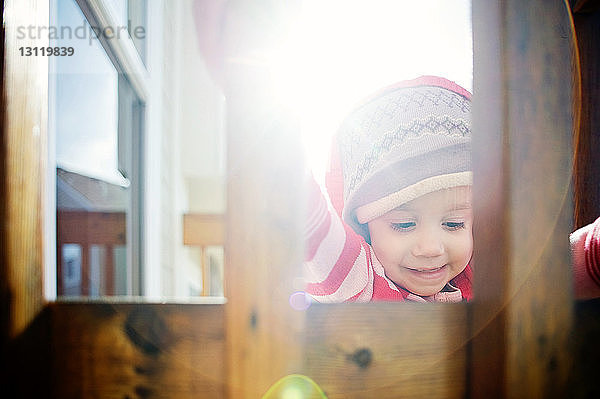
<point>253,320</point>
<point>146,329</point>
<point>362,357</point>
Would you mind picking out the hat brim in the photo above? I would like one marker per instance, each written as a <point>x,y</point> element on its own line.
<point>380,207</point>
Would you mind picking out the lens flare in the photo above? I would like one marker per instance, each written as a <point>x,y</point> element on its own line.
<point>300,300</point>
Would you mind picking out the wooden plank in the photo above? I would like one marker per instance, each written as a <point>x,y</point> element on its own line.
<point>203,229</point>
<point>25,105</point>
<point>137,350</point>
<point>388,350</point>
<point>522,314</point>
<point>586,350</point>
<point>26,371</point>
<point>110,350</point>
<point>583,382</point>
<point>587,141</point>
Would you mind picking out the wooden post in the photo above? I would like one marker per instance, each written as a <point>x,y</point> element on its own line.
<point>24,104</point>
<point>587,140</point>
<point>263,250</point>
<point>522,153</point>
<point>24,112</point>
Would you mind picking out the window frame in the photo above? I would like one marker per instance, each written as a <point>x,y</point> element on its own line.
<point>133,94</point>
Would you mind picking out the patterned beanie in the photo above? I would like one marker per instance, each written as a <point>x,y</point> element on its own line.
<point>406,141</point>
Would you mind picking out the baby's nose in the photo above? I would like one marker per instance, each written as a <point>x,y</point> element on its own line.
<point>428,245</point>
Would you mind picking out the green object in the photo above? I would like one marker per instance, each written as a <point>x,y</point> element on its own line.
<point>295,386</point>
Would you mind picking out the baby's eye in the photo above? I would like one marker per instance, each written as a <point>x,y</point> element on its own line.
<point>454,225</point>
<point>403,226</point>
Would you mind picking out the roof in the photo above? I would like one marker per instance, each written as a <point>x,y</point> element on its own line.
<point>78,192</point>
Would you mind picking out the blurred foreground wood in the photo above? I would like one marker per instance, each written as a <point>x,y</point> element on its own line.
<point>388,350</point>
<point>586,15</point>
<point>522,140</point>
<point>87,350</point>
<point>23,157</point>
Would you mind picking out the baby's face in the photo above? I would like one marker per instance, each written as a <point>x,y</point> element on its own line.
<point>426,242</point>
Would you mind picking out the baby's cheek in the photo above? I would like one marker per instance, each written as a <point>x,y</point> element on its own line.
<point>463,246</point>
<point>470,243</point>
<point>384,252</point>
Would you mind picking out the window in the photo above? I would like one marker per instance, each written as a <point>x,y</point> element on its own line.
<point>136,135</point>
<point>96,123</point>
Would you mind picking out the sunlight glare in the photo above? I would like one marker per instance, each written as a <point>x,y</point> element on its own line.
<point>339,52</point>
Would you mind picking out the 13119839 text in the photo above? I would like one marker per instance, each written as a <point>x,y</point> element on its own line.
<point>47,51</point>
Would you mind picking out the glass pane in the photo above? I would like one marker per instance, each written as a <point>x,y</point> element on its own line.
<point>120,9</point>
<point>216,259</point>
<point>97,270</point>
<point>203,271</point>
<point>70,270</point>
<point>137,25</point>
<point>86,102</point>
<point>131,14</point>
<point>120,263</point>
<point>192,274</point>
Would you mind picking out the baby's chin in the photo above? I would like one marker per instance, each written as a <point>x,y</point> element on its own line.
<point>427,291</point>
<point>424,290</point>
<point>419,290</point>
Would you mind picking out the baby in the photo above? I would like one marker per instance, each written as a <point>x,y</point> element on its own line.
<point>399,226</point>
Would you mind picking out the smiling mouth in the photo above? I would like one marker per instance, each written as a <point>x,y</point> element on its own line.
<point>426,270</point>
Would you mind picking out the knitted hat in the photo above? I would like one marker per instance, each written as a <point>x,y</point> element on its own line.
<point>406,141</point>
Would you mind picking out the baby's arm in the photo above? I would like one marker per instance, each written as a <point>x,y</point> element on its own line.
<point>585,255</point>
<point>337,264</point>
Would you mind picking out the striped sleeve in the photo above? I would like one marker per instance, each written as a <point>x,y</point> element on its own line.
<point>585,257</point>
<point>336,265</point>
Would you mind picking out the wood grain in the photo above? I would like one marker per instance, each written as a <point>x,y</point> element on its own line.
<point>587,162</point>
<point>522,313</point>
<point>388,350</point>
<point>137,351</point>
<point>25,105</point>
<point>264,248</point>
<point>583,380</point>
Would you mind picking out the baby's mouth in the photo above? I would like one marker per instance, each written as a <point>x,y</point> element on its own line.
<point>426,270</point>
